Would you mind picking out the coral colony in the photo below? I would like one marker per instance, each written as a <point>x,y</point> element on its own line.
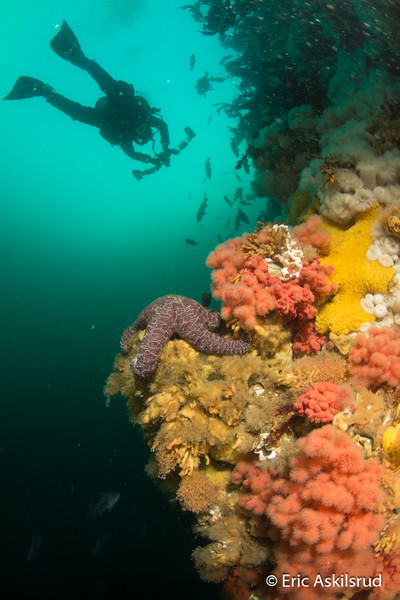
<point>286,446</point>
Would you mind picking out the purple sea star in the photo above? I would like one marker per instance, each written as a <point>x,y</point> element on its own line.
<point>182,316</point>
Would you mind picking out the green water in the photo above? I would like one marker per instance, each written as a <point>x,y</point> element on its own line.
<point>84,247</point>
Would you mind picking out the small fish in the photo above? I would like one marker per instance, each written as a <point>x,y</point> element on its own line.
<point>243,160</point>
<point>234,147</point>
<point>237,176</point>
<point>240,216</point>
<point>209,119</point>
<point>238,195</point>
<point>229,202</point>
<point>202,209</point>
<point>101,542</point>
<point>208,168</point>
<point>106,501</point>
<point>192,61</point>
<point>206,300</point>
<point>34,546</point>
<point>219,238</point>
<point>190,242</point>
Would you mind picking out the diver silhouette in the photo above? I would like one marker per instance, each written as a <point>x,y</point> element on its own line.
<point>121,116</point>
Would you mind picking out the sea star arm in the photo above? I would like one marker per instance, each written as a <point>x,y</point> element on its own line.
<point>193,325</point>
<point>126,336</point>
<point>212,343</point>
<point>154,339</point>
<point>213,319</point>
<point>140,323</point>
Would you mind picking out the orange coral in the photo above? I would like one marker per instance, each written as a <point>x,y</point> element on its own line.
<point>375,360</point>
<point>325,510</point>
<point>311,233</point>
<point>321,401</point>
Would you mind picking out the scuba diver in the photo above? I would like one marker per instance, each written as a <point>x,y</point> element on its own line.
<point>122,117</point>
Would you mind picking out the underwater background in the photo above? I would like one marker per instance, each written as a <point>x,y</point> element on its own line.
<point>84,248</point>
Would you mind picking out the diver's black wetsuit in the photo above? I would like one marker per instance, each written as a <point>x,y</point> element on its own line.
<point>121,116</point>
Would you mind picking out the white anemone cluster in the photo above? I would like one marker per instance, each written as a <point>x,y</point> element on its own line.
<point>386,307</point>
<point>386,250</point>
<point>365,177</point>
<point>373,179</point>
<point>348,197</point>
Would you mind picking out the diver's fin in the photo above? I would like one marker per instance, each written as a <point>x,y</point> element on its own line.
<point>65,44</point>
<point>137,174</point>
<point>140,174</point>
<point>28,87</point>
<point>189,132</point>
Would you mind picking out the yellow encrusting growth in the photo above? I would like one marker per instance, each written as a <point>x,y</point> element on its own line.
<point>355,275</point>
<point>391,443</point>
<point>194,408</point>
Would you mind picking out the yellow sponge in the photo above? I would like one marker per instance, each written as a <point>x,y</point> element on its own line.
<point>355,275</point>
<point>391,442</point>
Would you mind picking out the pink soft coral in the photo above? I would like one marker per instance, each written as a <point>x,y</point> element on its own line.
<point>375,360</point>
<point>226,261</point>
<point>247,289</point>
<point>293,300</point>
<point>316,277</point>
<point>311,233</point>
<point>243,281</point>
<point>321,401</point>
<point>250,295</point>
<point>325,511</point>
<point>306,339</point>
